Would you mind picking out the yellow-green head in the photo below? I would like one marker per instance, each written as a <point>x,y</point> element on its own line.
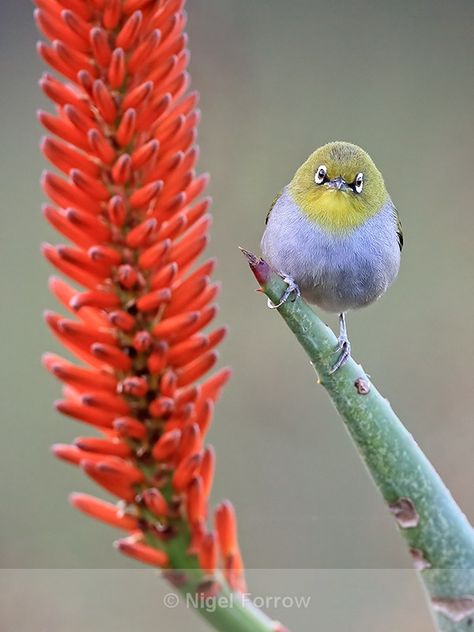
<point>339,187</point>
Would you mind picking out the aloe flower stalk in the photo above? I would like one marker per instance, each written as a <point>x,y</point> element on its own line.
<point>438,534</point>
<point>127,198</point>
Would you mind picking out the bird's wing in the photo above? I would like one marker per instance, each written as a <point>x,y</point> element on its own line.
<point>399,230</point>
<point>275,200</point>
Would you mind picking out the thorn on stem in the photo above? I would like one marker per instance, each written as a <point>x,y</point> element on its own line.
<point>259,267</point>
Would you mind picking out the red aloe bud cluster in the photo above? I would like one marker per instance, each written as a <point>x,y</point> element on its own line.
<point>127,198</point>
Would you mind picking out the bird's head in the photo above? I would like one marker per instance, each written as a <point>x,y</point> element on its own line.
<point>339,187</point>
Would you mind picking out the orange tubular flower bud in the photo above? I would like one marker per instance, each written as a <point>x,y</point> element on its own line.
<point>207,469</point>
<point>195,500</point>
<point>126,127</point>
<point>155,501</point>
<point>103,511</point>
<point>103,446</point>
<point>142,553</point>
<point>226,527</point>
<point>167,445</point>
<point>208,553</point>
<point>185,471</point>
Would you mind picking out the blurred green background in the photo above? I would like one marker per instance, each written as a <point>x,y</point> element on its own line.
<point>277,79</point>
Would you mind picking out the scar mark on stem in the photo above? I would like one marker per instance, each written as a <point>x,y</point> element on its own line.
<point>362,386</point>
<point>454,608</point>
<point>419,560</point>
<point>405,513</point>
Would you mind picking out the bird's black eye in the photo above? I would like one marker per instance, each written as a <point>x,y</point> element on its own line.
<point>359,183</point>
<point>320,175</point>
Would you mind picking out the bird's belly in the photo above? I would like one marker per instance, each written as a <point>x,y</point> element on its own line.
<point>337,290</point>
<point>335,272</point>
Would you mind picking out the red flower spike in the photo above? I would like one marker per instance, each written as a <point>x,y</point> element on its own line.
<point>123,137</point>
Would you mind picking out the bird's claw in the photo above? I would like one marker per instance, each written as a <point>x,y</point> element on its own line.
<point>292,288</point>
<point>344,350</point>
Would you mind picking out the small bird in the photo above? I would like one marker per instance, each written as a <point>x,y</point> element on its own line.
<point>334,235</point>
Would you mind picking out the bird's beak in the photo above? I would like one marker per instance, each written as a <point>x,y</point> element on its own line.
<point>338,183</point>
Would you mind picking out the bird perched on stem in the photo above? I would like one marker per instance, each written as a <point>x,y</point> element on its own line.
<point>334,234</point>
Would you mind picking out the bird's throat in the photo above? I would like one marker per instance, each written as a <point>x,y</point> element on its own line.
<point>333,210</point>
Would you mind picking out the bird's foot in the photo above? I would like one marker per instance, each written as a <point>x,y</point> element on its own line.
<point>291,289</point>
<point>344,350</point>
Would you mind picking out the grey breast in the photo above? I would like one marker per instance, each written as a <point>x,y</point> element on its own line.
<point>335,272</point>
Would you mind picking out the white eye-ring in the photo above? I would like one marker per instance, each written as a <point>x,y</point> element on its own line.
<point>320,174</point>
<point>359,183</point>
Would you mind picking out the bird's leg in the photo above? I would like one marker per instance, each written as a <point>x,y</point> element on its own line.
<point>292,288</point>
<point>343,345</point>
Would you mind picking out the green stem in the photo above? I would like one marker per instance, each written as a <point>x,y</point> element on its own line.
<point>440,538</point>
<point>224,610</point>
